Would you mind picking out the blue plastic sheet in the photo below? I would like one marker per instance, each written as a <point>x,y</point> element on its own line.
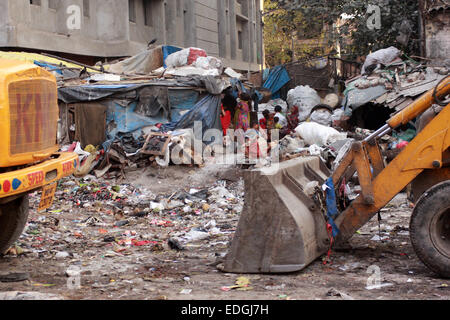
<point>278,77</point>
<point>127,121</point>
<point>181,101</point>
<point>237,86</point>
<point>332,211</point>
<point>48,66</point>
<point>206,111</point>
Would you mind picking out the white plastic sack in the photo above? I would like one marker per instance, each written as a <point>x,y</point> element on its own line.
<point>190,70</point>
<point>314,133</point>
<point>337,115</point>
<point>384,56</point>
<point>177,59</point>
<point>321,116</point>
<point>208,63</point>
<point>305,98</point>
<point>233,74</point>
<point>272,104</point>
<point>181,58</point>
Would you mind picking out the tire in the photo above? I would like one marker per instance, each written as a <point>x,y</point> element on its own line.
<point>430,229</point>
<point>13,218</point>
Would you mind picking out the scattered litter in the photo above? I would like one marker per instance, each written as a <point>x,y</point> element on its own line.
<point>379,286</point>
<point>186,291</point>
<point>242,284</point>
<point>22,296</point>
<point>335,293</point>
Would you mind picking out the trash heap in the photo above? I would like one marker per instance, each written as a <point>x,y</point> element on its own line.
<point>123,218</point>
<point>391,79</point>
<point>389,82</point>
<point>151,102</point>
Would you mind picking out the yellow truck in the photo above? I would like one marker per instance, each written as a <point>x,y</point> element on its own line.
<point>29,160</point>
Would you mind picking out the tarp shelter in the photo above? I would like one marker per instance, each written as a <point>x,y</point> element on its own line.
<point>206,112</point>
<point>134,106</point>
<point>277,78</point>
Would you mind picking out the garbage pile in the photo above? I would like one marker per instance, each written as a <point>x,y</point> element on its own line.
<point>391,79</point>
<point>124,218</point>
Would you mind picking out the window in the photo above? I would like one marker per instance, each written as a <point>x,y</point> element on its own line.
<point>35,2</point>
<point>53,4</point>
<point>86,8</point>
<point>148,13</point>
<point>132,10</point>
<point>240,43</point>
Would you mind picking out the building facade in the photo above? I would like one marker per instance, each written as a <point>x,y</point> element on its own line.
<point>229,29</point>
<point>435,26</point>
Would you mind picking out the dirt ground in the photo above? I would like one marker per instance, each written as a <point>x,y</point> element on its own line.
<point>82,251</point>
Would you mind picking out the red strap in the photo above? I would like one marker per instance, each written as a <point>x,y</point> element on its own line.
<point>330,235</point>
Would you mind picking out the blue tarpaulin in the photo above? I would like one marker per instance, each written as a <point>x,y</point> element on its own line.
<point>126,120</point>
<point>206,111</point>
<point>48,66</point>
<point>237,86</point>
<point>332,210</point>
<point>168,50</point>
<point>278,77</point>
<point>181,101</point>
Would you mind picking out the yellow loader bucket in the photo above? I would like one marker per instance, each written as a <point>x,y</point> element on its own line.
<point>281,228</point>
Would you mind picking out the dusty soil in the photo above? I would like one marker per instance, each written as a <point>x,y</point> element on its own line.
<point>70,236</point>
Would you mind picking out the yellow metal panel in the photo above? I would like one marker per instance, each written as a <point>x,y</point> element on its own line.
<point>35,177</point>
<point>28,113</point>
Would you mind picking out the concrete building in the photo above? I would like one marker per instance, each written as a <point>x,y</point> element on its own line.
<point>435,29</point>
<point>229,29</point>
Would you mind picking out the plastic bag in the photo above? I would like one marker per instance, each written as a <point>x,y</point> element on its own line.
<point>190,71</point>
<point>384,56</point>
<point>208,63</point>
<point>184,57</point>
<point>305,98</point>
<point>321,116</point>
<point>337,115</point>
<point>314,133</point>
<point>194,54</point>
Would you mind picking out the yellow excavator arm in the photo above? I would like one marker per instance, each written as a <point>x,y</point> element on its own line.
<point>381,185</point>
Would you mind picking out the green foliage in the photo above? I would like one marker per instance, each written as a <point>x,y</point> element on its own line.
<point>288,20</point>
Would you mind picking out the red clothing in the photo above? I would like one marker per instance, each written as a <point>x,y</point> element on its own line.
<point>263,123</point>
<point>225,118</point>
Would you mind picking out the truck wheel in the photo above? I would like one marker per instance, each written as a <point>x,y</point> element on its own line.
<point>430,229</point>
<point>13,217</point>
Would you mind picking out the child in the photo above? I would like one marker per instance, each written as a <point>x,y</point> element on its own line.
<point>278,125</point>
<point>225,118</point>
<point>281,118</point>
